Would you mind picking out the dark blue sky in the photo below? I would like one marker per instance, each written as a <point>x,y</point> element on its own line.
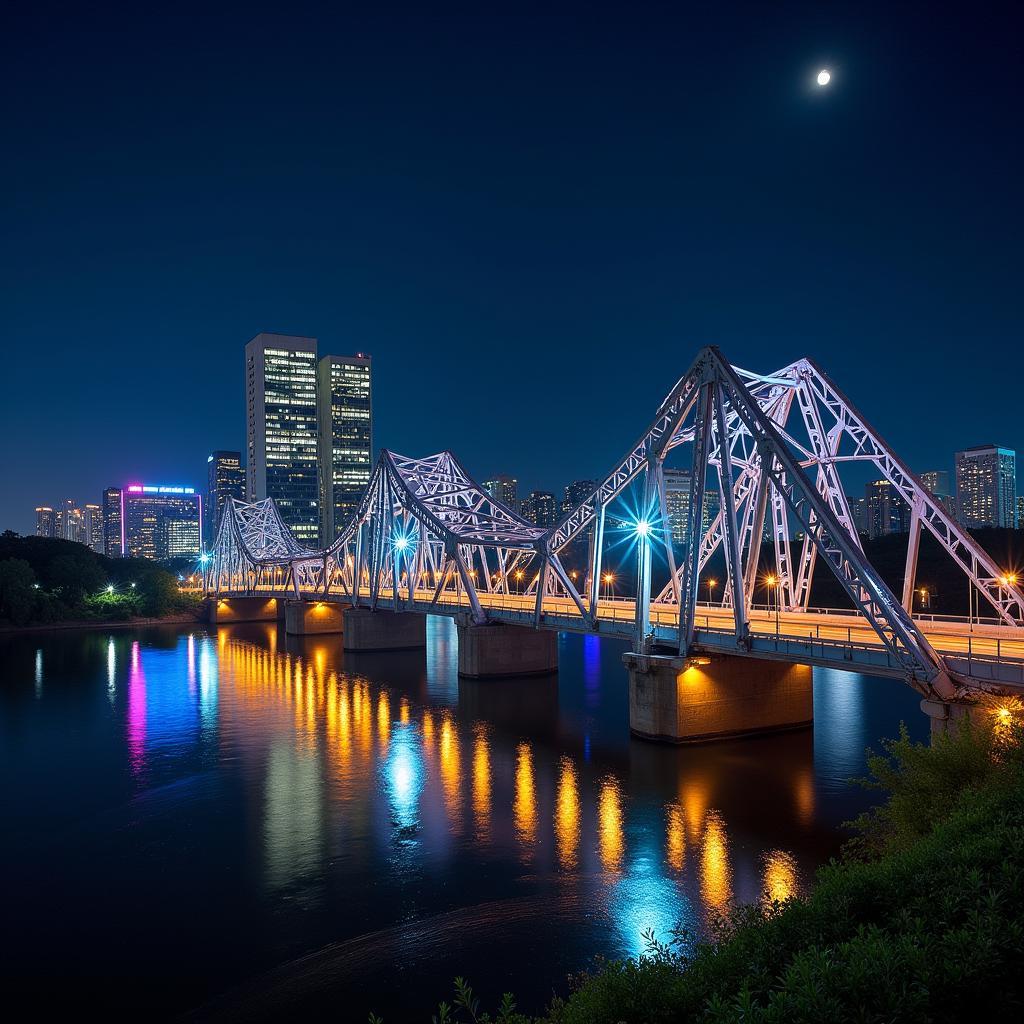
<point>532,217</point>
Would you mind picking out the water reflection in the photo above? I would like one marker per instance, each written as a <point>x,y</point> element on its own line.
<point>567,816</point>
<point>715,872</point>
<point>780,882</point>
<point>345,796</point>
<point>610,825</point>
<point>524,807</point>
<point>481,782</point>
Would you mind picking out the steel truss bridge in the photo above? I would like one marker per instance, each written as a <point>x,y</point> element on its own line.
<point>427,538</point>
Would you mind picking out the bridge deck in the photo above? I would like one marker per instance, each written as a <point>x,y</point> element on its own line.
<point>973,652</point>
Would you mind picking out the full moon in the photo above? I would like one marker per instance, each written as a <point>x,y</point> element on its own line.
<point>824,77</point>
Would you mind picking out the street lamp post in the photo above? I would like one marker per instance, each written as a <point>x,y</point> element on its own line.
<point>712,582</point>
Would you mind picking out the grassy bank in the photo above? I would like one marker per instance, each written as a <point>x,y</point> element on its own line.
<point>921,920</point>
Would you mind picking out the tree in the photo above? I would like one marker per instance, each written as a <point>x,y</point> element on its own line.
<point>16,590</point>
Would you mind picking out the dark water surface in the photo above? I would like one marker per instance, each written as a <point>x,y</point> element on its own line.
<point>255,825</point>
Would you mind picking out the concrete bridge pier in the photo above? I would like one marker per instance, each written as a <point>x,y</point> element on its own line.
<point>950,717</point>
<point>310,618</point>
<point>255,608</point>
<point>499,649</point>
<point>367,630</point>
<point>699,698</point>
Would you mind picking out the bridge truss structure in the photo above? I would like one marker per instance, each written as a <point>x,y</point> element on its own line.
<point>427,537</point>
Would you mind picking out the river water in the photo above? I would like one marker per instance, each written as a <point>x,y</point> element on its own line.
<point>247,825</point>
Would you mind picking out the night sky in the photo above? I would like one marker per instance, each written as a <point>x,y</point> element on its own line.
<point>532,217</point>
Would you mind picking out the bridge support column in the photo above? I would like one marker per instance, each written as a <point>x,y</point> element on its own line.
<point>256,608</point>
<point>950,718</point>
<point>307,618</point>
<point>499,649</point>
<point>367,630</point>
<point>695,699</point>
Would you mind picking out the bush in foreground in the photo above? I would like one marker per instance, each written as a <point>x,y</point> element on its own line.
<point>922,919</point>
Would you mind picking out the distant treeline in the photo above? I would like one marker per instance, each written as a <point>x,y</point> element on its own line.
<point>44,580</point>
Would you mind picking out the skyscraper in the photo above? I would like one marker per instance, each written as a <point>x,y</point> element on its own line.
<point>161,521</point>
<point>859,512</point>
<point>539,508</point>
<point>576,493</point>
<point>46,522</point>
<point>678,485</point>
<point>93,527</point>
<point>281,414</point>
<point>937,482</point>
<point>71,523</point>
<point>504,489</point>
<point>345,413</point>
<point>1020,511</point>
<point>885,511</point>
<point>226,480</point>
<point>113,537</point>
<point>986,486</point>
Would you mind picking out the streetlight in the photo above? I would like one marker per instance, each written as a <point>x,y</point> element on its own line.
<point>776,582</point>
<point>609,579</point>
<point>712,582</point>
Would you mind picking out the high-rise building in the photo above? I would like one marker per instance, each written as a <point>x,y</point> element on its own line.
<point>93,527</point>
<point>678,486</point>
<point>345,413</point>
<point>161,521</point>
<point>226,480</point>
<point>46,522</point>
<point>937,482</point>
<point>504,489</point>
<point>540,508</point>
<point>986,486</point>
<point>576,493</point>
<point>113,535</point>
<point>859,512</point>
<point>71,523</point>
<point>281,414</point>
<point>1020,511</point>
<point>884,510</point>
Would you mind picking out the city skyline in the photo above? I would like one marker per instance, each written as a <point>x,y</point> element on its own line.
<point>552,216</point>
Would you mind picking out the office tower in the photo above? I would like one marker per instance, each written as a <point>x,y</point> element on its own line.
<point>281,398</point>
<point>504,489</point>
<point>678,486</point>
<point>226,480</point>
<point>576,493</point>
<point>937,482</point>
<point>859,512</point>
<point>93,527</point>
<point>71,523</point>
<point>161,521</point>
<point>712,504</point>
<point>113,536</point>
<point>345,415</point>
<point>539,508</point>
<point>986,486</point>
<point>885,511</point>
<point>46,522</point>
<point>1020,512</point>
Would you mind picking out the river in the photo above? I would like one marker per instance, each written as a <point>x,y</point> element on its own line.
<point>245,825</point>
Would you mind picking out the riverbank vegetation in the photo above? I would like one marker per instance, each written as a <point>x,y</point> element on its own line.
<point>48,581</point>
<point>921,919</point>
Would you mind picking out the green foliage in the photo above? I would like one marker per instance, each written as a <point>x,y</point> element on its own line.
<point>73,581</point>
<point>922,780</point>
<point>925,923</point>
<point>113,607</point>
<point>17,594</point>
